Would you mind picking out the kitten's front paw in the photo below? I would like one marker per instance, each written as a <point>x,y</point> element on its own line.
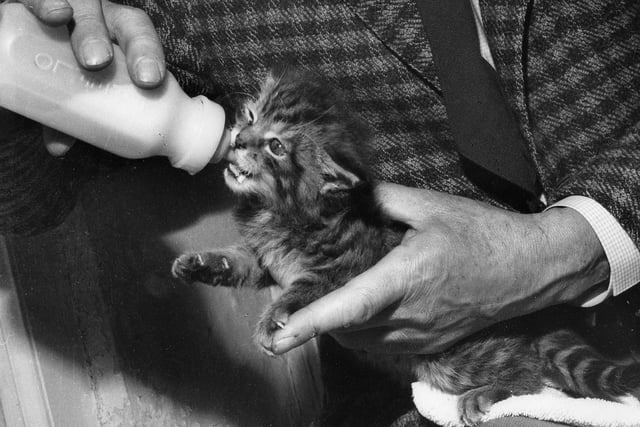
<point>207,268</point>
<point>275,318</point>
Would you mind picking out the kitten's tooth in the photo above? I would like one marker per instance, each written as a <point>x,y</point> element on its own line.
<point>241,178</point>
<point>233,169</point>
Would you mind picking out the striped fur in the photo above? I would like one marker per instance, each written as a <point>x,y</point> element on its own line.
<point>569,70</point>
<point>573,365</point>
<point>312,240</point>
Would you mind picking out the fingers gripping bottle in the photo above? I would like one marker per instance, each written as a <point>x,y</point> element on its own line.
<point>40,79</point>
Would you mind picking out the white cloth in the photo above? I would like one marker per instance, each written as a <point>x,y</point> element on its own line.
<point>550,405</point>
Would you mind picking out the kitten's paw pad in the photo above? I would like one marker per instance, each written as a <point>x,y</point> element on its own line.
<point>205,268</point>
<point>186,267</point>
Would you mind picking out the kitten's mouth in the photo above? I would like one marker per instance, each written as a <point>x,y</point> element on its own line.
<point>238,173</point>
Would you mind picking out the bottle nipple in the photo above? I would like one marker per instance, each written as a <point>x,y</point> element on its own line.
<point>198,126</point>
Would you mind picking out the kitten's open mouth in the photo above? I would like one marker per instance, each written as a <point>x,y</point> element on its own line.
<point>238,173</point>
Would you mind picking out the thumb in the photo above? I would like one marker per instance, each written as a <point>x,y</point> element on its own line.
<point>405,204</point>
<point>353,304</point>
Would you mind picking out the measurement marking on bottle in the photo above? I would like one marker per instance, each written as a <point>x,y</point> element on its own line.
<point>46,62</point>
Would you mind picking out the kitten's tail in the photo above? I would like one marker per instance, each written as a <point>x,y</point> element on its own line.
<point>573,365</point>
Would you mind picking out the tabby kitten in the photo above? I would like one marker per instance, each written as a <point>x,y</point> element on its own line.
<point>310,222</point>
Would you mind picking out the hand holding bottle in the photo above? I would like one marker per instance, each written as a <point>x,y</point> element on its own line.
<point>95,24</point>
<point>40,78</point>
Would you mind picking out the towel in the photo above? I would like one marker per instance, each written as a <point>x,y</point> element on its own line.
<point>548,405</point>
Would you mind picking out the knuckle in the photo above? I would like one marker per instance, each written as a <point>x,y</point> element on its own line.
<point>133,28</point>
<point>144,41</point>
<point>129,16</point>
<point>87,14</point>
<point>88,20</point>
<point>136,13</point>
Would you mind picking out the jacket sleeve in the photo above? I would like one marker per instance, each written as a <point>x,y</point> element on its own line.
<point>584,103</point>
<point>37,191</point>
<point>612,178</point>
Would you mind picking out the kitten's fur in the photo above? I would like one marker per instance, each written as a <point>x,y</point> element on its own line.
<point>310,221</point>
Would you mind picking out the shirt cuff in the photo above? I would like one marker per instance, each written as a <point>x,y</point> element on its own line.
<point>621,252</point>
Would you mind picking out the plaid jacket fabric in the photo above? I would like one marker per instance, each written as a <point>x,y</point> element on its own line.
<point>570,71</point>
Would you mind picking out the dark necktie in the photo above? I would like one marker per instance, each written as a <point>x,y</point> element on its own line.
<point>493,151</point>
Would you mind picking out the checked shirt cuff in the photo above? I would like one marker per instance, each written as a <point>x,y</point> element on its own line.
<point>621,252</point>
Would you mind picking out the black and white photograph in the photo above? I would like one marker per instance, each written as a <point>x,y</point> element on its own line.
<point>319,213</point>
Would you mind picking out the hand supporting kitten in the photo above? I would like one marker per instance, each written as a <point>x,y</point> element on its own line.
<point>393,269</point>
<point>463,266</point>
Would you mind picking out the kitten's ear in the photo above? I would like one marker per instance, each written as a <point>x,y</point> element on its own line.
<point>337,178</point>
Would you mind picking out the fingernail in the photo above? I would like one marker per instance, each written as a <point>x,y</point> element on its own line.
<point>95,52</point>
<point>283,345</point>
<point>148,71</point>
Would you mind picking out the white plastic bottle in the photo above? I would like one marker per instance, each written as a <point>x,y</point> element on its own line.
<point>40,79</point>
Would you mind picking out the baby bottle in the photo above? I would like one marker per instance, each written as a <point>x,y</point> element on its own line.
<point>40,79</point>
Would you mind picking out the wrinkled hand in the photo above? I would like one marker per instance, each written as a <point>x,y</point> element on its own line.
<point>462,266</point>
<point>95,24</point>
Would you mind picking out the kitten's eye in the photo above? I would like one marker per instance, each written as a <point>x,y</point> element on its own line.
<point>276,147</point>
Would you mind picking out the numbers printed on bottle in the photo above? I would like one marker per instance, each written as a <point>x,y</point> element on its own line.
<point>46,62</point>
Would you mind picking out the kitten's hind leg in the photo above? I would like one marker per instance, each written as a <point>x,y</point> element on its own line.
<point>475,403</point>
<point>234,266</point>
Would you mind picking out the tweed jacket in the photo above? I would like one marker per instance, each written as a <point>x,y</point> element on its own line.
<point>569,70</point>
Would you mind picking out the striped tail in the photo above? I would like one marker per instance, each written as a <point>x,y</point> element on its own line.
<point>574,366</point>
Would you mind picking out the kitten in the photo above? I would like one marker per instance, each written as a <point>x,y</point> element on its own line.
<point>310,222</point>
